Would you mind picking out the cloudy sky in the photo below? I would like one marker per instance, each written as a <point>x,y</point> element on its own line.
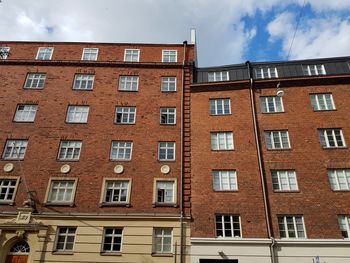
<point>228,31</point>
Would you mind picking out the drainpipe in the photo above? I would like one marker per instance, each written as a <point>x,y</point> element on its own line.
<point>261,170</point>
<point>182,230</point>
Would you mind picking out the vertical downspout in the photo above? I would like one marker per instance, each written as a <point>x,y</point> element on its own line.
<point>261,170</point>
<point>182,234</point>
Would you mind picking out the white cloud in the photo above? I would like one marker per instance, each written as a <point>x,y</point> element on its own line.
<point>319,37</point>
<point>222,35</point>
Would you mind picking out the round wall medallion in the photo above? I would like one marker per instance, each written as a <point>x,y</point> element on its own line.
<point>118,169</point>
<point>65,168</point>
<point>8,167</point>
<point>165,169</point>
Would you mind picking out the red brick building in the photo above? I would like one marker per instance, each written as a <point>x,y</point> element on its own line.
<point>270,162</point>
<point>92,160</point>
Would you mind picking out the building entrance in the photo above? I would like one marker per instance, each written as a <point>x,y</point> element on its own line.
<point>18,253</point>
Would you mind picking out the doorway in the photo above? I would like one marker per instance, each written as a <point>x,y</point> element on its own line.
<point>18,253</point>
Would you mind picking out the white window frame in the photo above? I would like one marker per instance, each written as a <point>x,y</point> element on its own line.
<point>266,73</point>
<point>17,149</point>
<point>168,57</point>
<point>226,137</point>
<point>35,81</point>
<point>282,180</point>
<point>216,76</point>
<point>114,185</point>
<point>322,102</point>
<point>274,101</point>
<point>287,230</point>
<point>5,51</point>
<point>214,104</point>
<point>7,189</point>
<point>66,145</point>
<point>66,235</point>
<point>169,188</point>
<point>25,113</point>
<point>166,115</point>
<point>59,190</point>
<point>339,179</point>
<point>130,112</point>
<point>128,83</point>
<point>270,137</point>
<point>121,148</point>
<point>77,114</point>
<point>90,53</point>
<point>331,133</point>
<point>224,180</point>
<point>167,146</point>
<point>344,225</point>
<point>132,55</point>
<point>314,70</point>
<point>47,53</point>
<point>113,235</point>
<point>168,84</point>
<point>83,82</point>
<point>164,234</point>
<point>220,219</point>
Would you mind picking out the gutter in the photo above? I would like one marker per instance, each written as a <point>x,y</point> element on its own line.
<point>260,162</point>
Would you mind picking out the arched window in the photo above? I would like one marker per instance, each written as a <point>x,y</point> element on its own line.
<point>20,248</point>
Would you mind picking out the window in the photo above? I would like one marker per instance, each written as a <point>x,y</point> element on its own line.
<point>219,106</point>
<point>284,180</point>
<point>25,113</point>
<point>339,179</point>
<point>314,70</point>
<point>116,191</point>
<point>44,53</point>
<point>162,240</point>
<point>221,141</point>
<point>322,102</point>
<point>218,76</point>
<point>167,115</point>
<point>15,149</point>
<point>65,238</point>
<point>89,54</point>
<point>121,151</point>
<point>132,55</point>
<point>224,180</point>
<point>83,82</point>
<point>128,83</point>
<point>125,115</point>
<point>271,104</point>
<point>165,192</point>
<point>61,191</point>
<point>331,138</point>
<point>266,73</point>
<point>77,114</point>
<point>344,225</point>
<point>4,52</point>
<point>277,140</point>
<point>169,56</point>
<point>8,187</point>
<point>69,150</point>
<point>35,81</point>
<point>291,227</point>
<point>228,226</point>
<point>112,240</point>
<point>166,151</point>
<point>168,84</point>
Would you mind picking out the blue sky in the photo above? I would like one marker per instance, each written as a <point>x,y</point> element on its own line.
<point>228,31</point>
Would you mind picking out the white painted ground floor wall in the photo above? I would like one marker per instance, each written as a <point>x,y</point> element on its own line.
<point>258,250</point>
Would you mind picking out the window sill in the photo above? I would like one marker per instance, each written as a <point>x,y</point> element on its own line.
<point>282,149</point>
<point>275,112</point>
<point>22,121</point>
<point>7,203</point>
<point>223,150</point>
<point>324,110</point>
<point>167,124</point>
<point>164,205</point>
<point>123,90</point>
<point>334,148</point>
<point>59,204</point>
<point>286,191</point>
<point>124,123</point>
<point>170,161</point>
<point>62,252</point>
<point>111,253</point>
<point>215,115</point>
<point>157,254</point>
<point>341,191</point>
<point>114,205</point>
<point>66,122</point>
<point>225,191</point>
<point>66,160</point>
